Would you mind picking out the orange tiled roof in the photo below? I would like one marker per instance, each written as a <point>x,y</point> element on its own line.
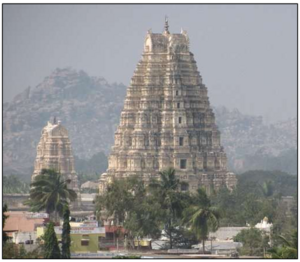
<point>17,221</point>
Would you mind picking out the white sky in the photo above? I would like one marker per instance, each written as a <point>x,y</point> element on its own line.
<point>246,54</point>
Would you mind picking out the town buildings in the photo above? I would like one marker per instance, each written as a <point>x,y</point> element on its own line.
<point>21,226</point>
<point>85,236</point>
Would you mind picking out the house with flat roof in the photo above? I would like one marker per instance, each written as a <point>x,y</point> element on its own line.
<point>85,238</point>
<point>21,226</point>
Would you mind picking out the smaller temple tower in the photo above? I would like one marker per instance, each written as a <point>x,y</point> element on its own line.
<point>54,152</point>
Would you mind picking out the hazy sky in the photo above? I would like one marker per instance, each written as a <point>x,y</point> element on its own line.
<point>246,54</point>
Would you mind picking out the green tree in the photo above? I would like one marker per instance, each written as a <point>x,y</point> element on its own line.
<point>116,201</point>
<point>51,248</point>
<point>49,192</point>
<point>11,250</point>
<point>4,217</point>
<point>288,248</point>
<point>253,241</point>
<point>66,239</point>
<point>143,217</point>
<point>90,169</point>
<point>13,184</point>
<point>184,238</point>
<point>126,200</point>
<point>201,217</point>
<point>14,251</point>
<point>268,188</point>
<point>167,192</point>
<point>22,251</point>
<point>226,202</point>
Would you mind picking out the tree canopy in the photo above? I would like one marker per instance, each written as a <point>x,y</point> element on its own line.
<point>50,192</point>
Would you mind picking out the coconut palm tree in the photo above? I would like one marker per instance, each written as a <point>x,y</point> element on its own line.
<point>167,191</point>
<point>49,192</point>
<point>289,249</point>
<point>201,217</point>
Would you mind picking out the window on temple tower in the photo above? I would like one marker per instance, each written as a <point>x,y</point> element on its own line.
<point>182,163</point>
<point>184,187</point>
<point>181,141</point>
<point>180,120</point>
<point>178,105</point>
<point>177,92</point>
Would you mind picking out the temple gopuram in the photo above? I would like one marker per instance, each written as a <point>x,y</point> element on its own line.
<point>54,152</point>
<point>167,120</point>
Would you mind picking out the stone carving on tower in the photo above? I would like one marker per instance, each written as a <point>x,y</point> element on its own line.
<point>167,120</point>
<point>54,152</point>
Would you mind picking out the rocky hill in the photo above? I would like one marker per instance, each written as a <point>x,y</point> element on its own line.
<point>250,144</point>
<point>89,108</point>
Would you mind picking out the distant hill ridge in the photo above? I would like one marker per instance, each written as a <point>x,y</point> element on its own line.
<point>89,107</point>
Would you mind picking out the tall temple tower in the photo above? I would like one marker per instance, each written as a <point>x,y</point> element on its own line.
<point>167,120</point>
<point>54,152</point>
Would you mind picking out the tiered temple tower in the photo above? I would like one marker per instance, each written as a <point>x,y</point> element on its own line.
<point>167,120</point>
<point>54,152</point>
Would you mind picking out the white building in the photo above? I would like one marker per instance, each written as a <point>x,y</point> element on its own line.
<point>264,225</point>
<point>24,237</point>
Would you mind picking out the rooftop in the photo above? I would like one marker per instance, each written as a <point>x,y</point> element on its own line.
<point>22,221</point>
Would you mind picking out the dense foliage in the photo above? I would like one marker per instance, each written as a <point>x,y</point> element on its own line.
<point>51,248</point>
<point>66,238</point>
<point>90,169</point>
<point>255,242</point>
<point>257,195</point>
<point>162,208</point>
<point>171,202</point>
<point>283,183</point>
<point>288,248</point>
<point>14,251</point>
<point>147,211</point>
<point>126,201</point>
<point>286,161</point>
<point>201,217</point>
<point>14,185</point>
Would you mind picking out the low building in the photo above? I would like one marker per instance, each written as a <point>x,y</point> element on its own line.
<point>85,238</point>
<point>24,237</point>
<point>114,238</point>
<point>225,248</point>
<point>87,201</point>
<point>226,233</point>
<point>90,185</point>
<point>264,225</point>
<point>21,226</point>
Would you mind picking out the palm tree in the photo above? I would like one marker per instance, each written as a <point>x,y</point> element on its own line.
<point>49,192</point>
<point>201,218</point>
<point>167,191</point>
<point>289,248</point>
